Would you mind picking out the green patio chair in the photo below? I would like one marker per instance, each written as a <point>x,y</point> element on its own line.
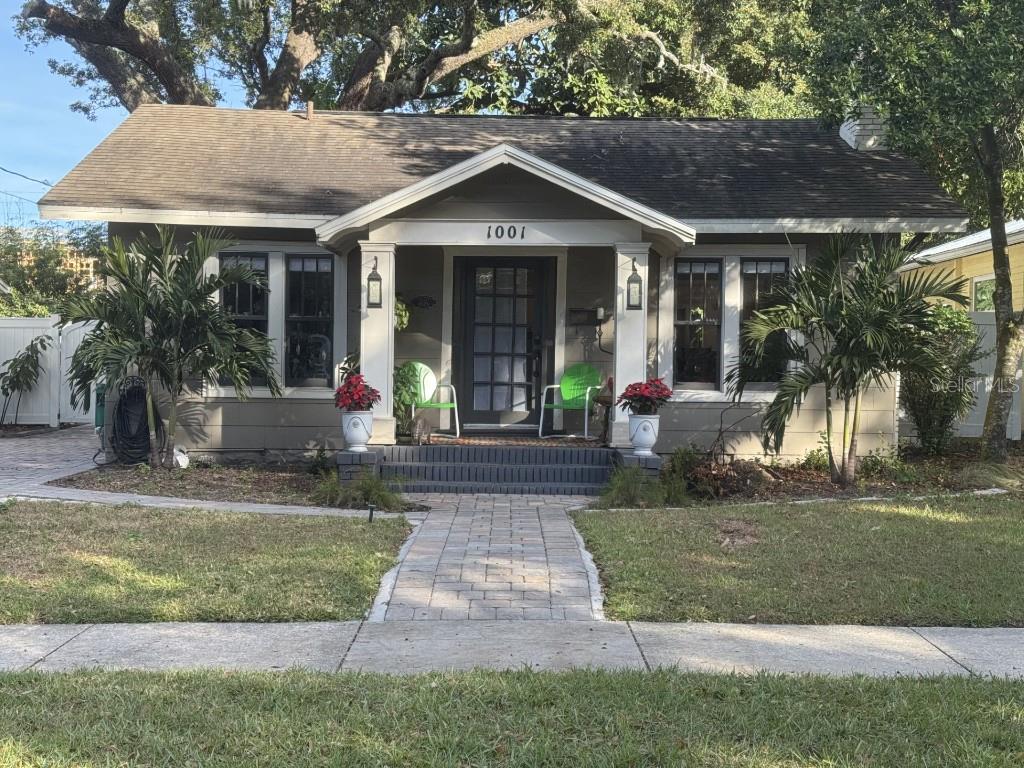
<point>578,384</point>
<point>427,387</point>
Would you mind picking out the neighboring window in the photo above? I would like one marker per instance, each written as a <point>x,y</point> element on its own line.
<point>698,323</point>
<point>760,278</point>
<point>244,302</point>
<point>983,290</point>
<point>309,321</point>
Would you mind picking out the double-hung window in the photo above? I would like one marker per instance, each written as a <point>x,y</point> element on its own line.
<point>760,278</point>
<point>309,321</point>
<point>698,323</point>
<point>246,303</point>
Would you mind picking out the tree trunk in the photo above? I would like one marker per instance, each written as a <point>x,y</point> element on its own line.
<point>1009,339</point>
<point>846,440</point>
<point>154,449</point>
<point>833,469</point>
<point>172,428</point>
<point>850,464</point>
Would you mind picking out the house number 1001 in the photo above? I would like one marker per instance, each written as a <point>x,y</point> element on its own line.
<point>503,232</point>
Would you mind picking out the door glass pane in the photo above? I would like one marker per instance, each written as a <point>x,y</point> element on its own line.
<point>503,340</point>
<point>482,339</point>
<point>481,397</point>
<point>519,370</point>
<point>484,309</point>
<point>503,310</point>
<point>482,368</point>
<point>521,311</point>
<point>522,281</point>
<point>502,369</point>
<point>520,344</point>
<point>484,280</point>
<point>503,280</point>
<point>520,402</point>
<point>499,399</point>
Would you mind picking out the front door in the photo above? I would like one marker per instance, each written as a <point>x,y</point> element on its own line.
<point>506,346</point>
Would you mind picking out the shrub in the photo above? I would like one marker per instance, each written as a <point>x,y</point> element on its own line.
<point>887,465</point>
<point>320,465</point>
<point>631,488</point>
<point>684,477</point>
<point>405,390</point>
<point>935,400</point>
<point>815,460</point>
<point>368,488</point>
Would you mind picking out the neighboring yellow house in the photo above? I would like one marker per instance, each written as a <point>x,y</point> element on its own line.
<point>971,257</point>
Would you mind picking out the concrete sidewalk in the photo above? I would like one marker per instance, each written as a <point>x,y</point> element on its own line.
<point>408,647</point>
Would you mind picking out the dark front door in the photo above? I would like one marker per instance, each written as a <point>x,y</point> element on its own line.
<point>506,345</point>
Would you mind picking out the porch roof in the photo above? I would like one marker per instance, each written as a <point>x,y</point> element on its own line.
<point>184,164</point>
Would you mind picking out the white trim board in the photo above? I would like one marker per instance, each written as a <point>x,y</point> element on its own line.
<point>727,226</point>
<point>503,154</point>
<point>175,216</point>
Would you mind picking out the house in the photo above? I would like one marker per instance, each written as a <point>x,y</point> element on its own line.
<point>513,241</point>
<point>970,257</point>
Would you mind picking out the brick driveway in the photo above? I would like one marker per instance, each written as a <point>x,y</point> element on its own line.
<point>493,557</point>
<point>29,461</point>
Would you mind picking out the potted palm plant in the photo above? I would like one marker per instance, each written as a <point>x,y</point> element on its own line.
<point>643,399</point>
<point>355,399</point>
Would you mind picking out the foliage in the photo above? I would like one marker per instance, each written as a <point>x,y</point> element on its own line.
<point>21,373</point>
<point>851,321</point>
<point>593,57</point>
<point>887,464</point>
<point>406,390</point>
<point>159,318</point>
<point>950,88</point>
<point>355,394</point>
<point>321,464</point>
<point>401,314</point>
<point>644,397</point>
<point>937,401</point>
<point>816,460</point>
<point>367,489</point>
<point>34,263</point>
<point>632,488</point>
<point>14,303</point>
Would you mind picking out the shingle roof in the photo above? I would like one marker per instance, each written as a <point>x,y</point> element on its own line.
<point>212,159</point>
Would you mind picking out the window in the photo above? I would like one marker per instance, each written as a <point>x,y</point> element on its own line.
<point>309,321</point>
<point>983,291</point>
<point>246,303</point>
<point>760,278</point>
<point>698,322</point>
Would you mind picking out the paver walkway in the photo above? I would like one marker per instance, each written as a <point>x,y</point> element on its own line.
<point>492,557</point>
<point>30,461</point>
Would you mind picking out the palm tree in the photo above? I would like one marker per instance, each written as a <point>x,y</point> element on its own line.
<point>847,321</point>
<point>158,317</point>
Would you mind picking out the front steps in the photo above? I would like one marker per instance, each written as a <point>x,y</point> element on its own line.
<point>569,470</point>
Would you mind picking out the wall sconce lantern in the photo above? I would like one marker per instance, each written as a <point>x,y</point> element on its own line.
<point>634,290</point>
<point>374,288</point>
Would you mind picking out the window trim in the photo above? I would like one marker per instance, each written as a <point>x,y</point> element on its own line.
<point>731,255</point>
<point>276,286</point>
<point>974,281</point>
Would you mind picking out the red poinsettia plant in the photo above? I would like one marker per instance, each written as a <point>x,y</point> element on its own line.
<point>644,397</point>
<point>355,394</point>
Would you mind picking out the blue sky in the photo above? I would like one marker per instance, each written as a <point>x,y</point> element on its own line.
<point>39,135</point>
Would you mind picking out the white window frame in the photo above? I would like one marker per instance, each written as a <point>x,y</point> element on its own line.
<point>277,253</point>
<point>975,281</point>
<point>731,256</point>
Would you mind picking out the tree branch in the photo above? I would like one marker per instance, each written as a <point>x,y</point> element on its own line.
<point>180,85</point>
<point>130,88</point>
<point>300,49</point>
<point>115,11</point>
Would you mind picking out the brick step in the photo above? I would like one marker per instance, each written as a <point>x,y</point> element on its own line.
<point>497,454</point>
<point>561,474</point>
<point>545,489</point>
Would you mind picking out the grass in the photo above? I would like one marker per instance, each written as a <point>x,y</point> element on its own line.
<point>506,719</point>
<point>249,483</point>
<point>947,561</point>
<point>63,563</point>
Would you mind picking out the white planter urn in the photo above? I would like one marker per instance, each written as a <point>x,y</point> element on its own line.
<point>356,428</point>
<point>643,433</point>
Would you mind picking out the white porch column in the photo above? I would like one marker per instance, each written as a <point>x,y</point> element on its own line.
<point>630,331</point>
<point>377,336</point>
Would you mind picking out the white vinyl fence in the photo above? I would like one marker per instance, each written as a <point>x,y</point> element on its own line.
<point>50,401</point>
<point>972,426</point>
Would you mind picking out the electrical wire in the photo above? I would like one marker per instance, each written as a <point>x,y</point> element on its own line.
<point>29,178</point>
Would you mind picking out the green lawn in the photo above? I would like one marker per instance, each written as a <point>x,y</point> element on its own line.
<point>505,719</point>
<point>80,563</point>
<point>953,561</point>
